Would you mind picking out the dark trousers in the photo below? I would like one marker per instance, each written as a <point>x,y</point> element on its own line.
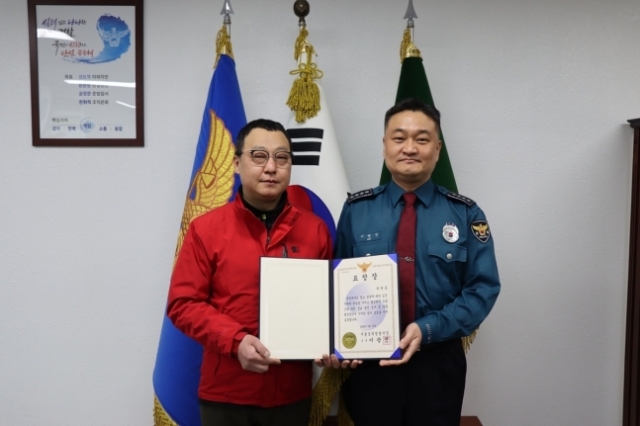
<point>427,391</point>
<point>223,414</point>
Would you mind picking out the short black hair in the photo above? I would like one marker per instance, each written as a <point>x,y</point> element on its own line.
<point>413,104</point>
<point>260,123</point>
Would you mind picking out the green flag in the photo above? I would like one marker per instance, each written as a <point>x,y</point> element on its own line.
<point>413,84</point>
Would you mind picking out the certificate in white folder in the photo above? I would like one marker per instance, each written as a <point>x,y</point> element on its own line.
<point>346,307</point>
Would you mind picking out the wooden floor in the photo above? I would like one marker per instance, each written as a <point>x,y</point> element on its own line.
<point>464,421</point>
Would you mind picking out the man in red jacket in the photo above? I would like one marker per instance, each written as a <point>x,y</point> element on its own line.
<point>214,292</point>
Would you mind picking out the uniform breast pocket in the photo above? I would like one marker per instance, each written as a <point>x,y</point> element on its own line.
<point>371,248</point>
<point>446,262</point>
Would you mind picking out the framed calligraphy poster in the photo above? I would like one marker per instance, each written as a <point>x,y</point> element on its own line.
<point>86,72</point>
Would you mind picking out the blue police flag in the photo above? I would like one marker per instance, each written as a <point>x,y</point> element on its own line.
<point>213,183</point>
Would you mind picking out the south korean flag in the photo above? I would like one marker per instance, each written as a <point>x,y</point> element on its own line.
<point>318,172</point>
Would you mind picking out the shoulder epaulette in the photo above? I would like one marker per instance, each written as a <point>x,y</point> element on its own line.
<point>466,200</point>
<point>360,194</point>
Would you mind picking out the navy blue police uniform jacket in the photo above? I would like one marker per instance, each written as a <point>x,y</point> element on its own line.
<point>457,279</point>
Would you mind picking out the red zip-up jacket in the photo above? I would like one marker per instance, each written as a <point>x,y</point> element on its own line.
<point>214,297</point>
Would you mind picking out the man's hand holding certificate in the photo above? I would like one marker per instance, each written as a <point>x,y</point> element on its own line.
<point>254,356</point>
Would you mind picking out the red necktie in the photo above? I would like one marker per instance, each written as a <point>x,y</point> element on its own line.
<point>406,249</point>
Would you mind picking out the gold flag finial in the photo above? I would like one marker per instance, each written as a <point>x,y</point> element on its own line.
<point>223,38</point>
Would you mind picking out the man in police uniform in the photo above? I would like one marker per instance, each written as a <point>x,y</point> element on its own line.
<point>456,278</point>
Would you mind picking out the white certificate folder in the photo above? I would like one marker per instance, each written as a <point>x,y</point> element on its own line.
<point>346,307</point>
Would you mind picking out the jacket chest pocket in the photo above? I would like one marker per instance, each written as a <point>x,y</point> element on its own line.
<point>446,263</point>
<point>371,248</point>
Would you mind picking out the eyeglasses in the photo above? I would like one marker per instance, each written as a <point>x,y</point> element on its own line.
<point>260,157</point>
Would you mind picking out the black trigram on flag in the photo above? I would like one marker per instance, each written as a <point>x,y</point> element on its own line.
<point>306,145</point>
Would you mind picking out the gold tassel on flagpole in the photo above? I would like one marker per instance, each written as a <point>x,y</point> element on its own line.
<point>343,416</point>
<point>223,44</point>
<point>406,39</point>
<point>304,97</point>
<point>468,340</point>
<point>301,41</point>
<point>160,417</point>
<point>407,48</point>
<point>322,396</point>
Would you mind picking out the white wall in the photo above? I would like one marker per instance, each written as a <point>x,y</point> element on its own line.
<point>534,96</point>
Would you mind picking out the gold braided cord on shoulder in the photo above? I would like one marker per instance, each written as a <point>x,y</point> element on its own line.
<point>223,44</point>
<point>160,417</point>
<point>407,48</point>
<point>213,182</point>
